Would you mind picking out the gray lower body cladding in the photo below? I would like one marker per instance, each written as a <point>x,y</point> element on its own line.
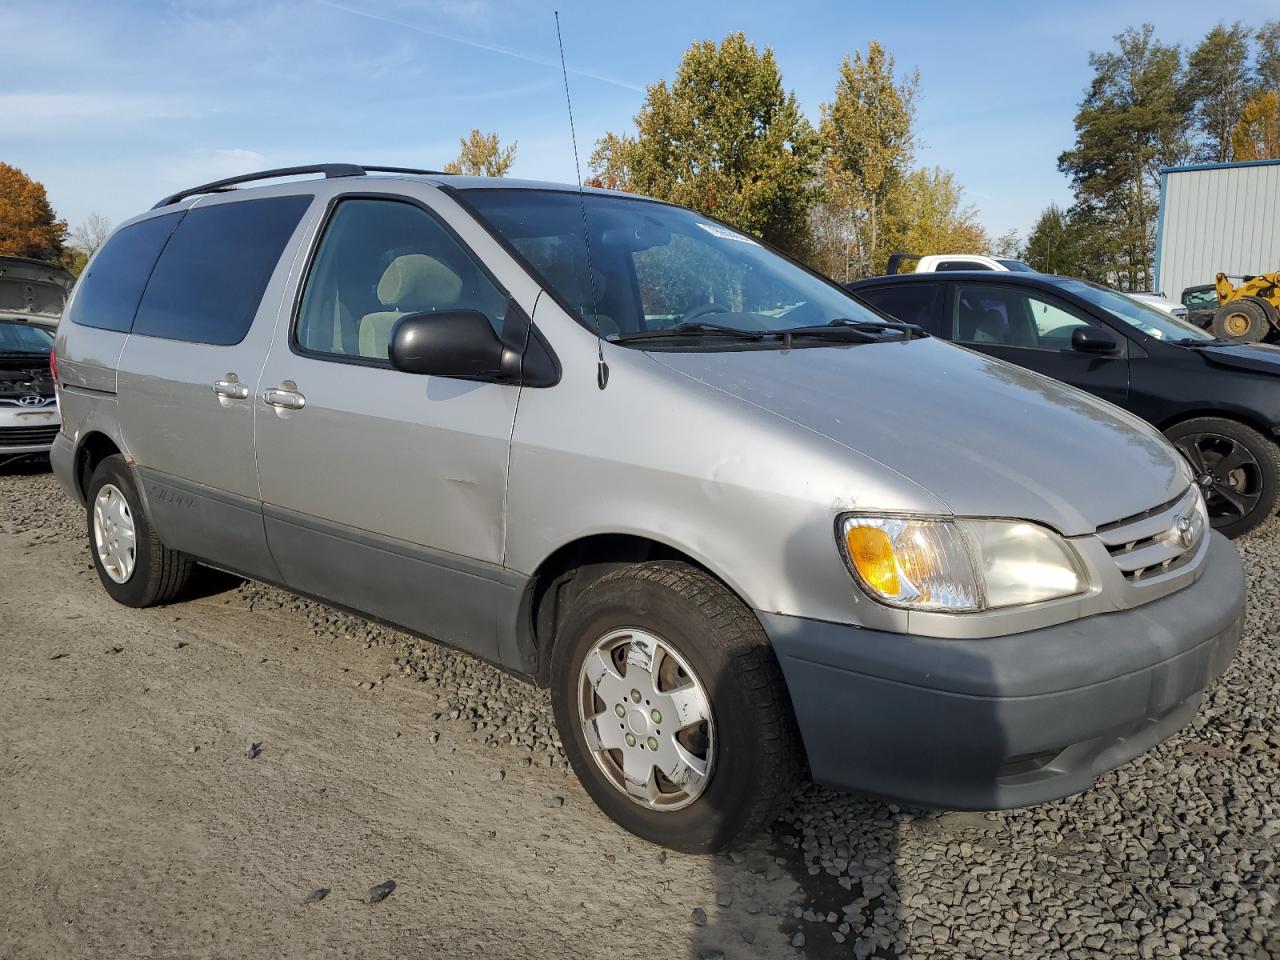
<point>1007,721</point>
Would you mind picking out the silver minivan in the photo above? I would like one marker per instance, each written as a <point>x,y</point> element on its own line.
<point>742,526</point>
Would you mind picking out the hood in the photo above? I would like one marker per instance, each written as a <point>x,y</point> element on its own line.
<point>984,437</point>
<point>1254,357</point>
<point>33,290</point>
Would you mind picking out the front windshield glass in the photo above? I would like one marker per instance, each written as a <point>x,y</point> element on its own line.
<point>1152,321</point>
<point>654,266</point>
<point>24,338</point>
<point>1017,266</point>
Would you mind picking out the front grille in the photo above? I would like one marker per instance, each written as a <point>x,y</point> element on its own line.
<point>27,436</point>
<point>1151,543</point>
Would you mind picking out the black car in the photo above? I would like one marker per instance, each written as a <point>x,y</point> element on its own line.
<point>1217,401</point>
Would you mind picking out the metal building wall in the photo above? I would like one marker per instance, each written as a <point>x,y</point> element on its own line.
<point>1217,217</point>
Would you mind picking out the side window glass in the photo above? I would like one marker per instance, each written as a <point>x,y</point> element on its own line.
<point>1054,325</point>
<point>948,265</point>
<point>1010,316</point>
<point>209,281</point>
<point>107,295</point>
<point>377,261</point>
<point>908,302</point>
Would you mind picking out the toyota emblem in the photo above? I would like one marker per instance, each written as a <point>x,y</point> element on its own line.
<point>32,400</point>
<point>1182,526</point>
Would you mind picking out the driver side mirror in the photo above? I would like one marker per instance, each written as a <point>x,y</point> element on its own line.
<point>450,343</point>
<point>1093,340</point>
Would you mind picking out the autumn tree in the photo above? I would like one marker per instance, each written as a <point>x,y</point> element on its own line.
<point>482,155</point>
<point>1257,135</point>
<point>724,138</point>
<point>868,146</point>
<point>1132,121</point>
<point>926,213</point>
<point>1218,84</point>
<point>28,227</point>
<point>1008,244</point>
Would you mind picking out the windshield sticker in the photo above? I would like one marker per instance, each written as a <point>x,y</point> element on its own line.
<point>725,234</point>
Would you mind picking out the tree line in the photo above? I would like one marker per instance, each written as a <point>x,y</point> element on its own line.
<point>1148,106</point>
<point>726,138</point>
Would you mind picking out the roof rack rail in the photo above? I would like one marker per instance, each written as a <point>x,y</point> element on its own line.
<point>330,171</point>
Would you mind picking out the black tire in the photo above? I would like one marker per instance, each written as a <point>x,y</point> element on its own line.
<point>159,574</point>
<point>1245,494</point>
<point>1241,320</point>
<point>758,755</point>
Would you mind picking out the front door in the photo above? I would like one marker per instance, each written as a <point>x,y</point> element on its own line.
<point>1033,329</point>
<point>384,491</point>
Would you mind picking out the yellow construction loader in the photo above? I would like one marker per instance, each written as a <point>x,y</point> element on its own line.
<point>1249,311</point>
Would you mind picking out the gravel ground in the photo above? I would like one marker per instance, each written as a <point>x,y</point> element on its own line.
<point>1173,855</point>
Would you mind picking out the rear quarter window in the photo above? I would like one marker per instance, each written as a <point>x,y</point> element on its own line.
<point>907,302</point>
<point>107,295</point>
<point>210,278</point>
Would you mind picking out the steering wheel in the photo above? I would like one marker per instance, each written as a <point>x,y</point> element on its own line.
<point>702,311</point>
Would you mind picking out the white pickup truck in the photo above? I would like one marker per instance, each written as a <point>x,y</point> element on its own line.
<point>938,262</point>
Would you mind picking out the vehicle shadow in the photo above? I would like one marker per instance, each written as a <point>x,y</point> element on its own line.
<point>828,878</point>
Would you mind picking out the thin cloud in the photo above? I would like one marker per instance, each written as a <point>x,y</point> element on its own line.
<point>36,110</point>
<point>549,62</point>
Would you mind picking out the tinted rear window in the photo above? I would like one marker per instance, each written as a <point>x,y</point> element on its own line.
<point>210,278</point>
<point>108,293</point>
<point>947,265</point>
<point>908,302</point>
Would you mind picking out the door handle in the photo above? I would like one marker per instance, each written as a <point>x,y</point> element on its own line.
<point>284,398</point>
<point>231,388</point>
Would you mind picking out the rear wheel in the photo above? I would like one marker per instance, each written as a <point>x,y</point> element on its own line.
<point>1241,320</point>
<point>672,708</point>
<point>135,567</point>
<point>1237,468</point>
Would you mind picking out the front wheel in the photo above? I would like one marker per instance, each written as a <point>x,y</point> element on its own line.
<point>672,707</point>
<point>1237,468</point>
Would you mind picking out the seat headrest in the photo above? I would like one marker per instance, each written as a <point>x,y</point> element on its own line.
<point>417,280</point>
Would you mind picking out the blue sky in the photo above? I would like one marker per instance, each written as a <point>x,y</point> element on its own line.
<point>114,104</point>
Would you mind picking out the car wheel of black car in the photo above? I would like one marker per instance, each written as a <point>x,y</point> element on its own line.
<point>1241,320</point>
<point>672,707</point>
<point>1237,468</point>
<point>135,567</point>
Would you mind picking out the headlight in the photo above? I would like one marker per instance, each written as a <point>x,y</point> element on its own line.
<point>959,566</point>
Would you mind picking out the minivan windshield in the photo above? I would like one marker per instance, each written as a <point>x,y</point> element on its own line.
<point>658,268</point>
<point>1152,321</point>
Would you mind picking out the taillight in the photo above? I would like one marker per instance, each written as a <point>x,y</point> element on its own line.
<point>53,366</point>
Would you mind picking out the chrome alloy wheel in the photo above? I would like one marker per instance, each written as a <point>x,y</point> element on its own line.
<point>113,533</point>
<point>647,719</point>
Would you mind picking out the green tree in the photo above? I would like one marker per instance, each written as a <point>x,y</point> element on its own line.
<point>1218,84</point>
<point>28,226</point>
<point>1267,63</point>
<point>1257,135</point>
<point>482,155</point>
<point>867,150</point>
<point>1008,244</point>
<point>1055,245</point>
<point>1133,120</point>
<point>726,139</point>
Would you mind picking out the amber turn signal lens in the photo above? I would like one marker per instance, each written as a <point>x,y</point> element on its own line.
<point>871,553</point>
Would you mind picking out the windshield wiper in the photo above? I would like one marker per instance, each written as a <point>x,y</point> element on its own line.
<point>908,330</point>
<point>692,329</point>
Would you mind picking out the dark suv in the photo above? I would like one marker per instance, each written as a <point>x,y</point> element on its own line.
<point>1217,401</point>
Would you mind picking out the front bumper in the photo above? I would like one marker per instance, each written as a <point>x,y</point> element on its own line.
<point>1007,721</point>
<point>27,430</point>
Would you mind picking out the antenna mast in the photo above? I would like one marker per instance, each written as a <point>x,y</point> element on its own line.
<point>602,368</point>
